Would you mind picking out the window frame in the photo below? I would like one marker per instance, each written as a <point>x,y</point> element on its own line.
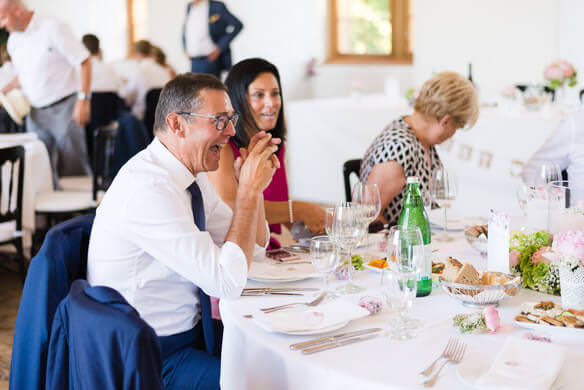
<point>400,22</point>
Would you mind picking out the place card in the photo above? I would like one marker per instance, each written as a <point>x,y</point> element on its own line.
<point>498,246</point>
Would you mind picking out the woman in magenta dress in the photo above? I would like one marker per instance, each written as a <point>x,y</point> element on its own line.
<point>255,92</point>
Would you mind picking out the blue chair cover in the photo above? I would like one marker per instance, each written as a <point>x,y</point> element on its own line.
<point>61,259</point>
<point>109,347</point>
<point>130,139</point>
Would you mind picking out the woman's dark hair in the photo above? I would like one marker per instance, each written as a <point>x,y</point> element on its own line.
<point>237,82</point>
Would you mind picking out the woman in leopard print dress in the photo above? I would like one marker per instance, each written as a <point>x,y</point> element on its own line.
<point>446,102</point>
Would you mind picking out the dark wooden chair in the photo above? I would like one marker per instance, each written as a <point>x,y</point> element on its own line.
<point>349,167</point>
<point>11,191</point>
<point>151,102</point>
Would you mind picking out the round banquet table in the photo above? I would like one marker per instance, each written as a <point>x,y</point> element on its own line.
<point>253,358</point>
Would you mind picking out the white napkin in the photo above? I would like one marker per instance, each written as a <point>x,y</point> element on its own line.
<point>277,271</point>
<point>523,364</point>
<point>310,318</point>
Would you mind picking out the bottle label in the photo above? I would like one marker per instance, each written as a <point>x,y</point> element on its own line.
<point>426,266</point>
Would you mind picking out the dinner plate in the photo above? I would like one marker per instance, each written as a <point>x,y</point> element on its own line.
<point>317,331</point>
<point>557,330</point>
<point>279,273</point>
<point>472,367</point>
<point>290,279</point>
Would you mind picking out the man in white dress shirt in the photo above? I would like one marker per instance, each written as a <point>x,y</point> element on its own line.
<point>103,76</point>
<point>146,243</point>
<point>565,147</point>
<point>148,75</point>
<point>46,56</point>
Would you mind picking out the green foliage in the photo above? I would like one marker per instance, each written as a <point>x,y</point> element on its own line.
<point>540,277</point>
<point>370,27</point>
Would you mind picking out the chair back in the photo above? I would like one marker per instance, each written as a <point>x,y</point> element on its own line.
<point>104,143</point>
<point>11,184</point>
<point>349,167</point>
<point>99,341</point>
<point>61,259</point>
<point>151,102</point>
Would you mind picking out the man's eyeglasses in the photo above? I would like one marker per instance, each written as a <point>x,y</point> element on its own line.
<point>221,120</point>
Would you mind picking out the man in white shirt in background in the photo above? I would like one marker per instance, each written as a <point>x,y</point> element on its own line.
<point>148,75</point>
<point>103,76</point>
<point>147,241</point>
<point>208,31</point>
<point>46,57</point>
<point>565,147</point>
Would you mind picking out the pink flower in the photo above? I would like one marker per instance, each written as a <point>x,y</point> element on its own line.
<point>514,258</point>
<point>492,320</point>
<point>538,256</point>
<point>554,73</point>
<point>566,67</point>
<point>569,244</point>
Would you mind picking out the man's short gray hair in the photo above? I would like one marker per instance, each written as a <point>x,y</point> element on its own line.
<point>183,93</point>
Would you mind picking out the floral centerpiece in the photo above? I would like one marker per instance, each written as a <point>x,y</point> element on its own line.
<point>568,248</point>
<point>559,73</point>
<point>526,257</point>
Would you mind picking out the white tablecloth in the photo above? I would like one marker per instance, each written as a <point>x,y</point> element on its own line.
<point>324,133</point>
<point>37,176</point>
<point>255,359</point>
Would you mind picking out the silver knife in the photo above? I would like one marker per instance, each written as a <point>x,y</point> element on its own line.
<point>280,289</point>
<point>339,343</point>
<point>337,337</point>
<point>262,293</point>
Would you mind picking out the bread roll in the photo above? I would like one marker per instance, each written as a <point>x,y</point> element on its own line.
<point>451,269</point>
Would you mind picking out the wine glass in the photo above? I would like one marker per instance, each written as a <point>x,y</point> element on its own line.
<point>443,188</point>
<point>323,257</point>
<point>348,229</point>
<point>399,284</point>
<point>542,173</point>
<point>367,195</point>
<point>328,220</point>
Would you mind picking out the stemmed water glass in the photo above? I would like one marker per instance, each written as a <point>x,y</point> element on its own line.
<point>443,188</point>
<point>542,173</point>
<point>348,229</point>
<point>367,195</point>
<point>399,284</point>
<point>323,257</point>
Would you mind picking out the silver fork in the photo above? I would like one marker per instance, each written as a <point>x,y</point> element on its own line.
<point>454,357</point>
<point>314,302</point>
<point>447,349</point>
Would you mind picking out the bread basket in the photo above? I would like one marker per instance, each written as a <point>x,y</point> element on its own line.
<point>483,294</point>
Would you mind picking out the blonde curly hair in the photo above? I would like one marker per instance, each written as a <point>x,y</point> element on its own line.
<point>449,93</point>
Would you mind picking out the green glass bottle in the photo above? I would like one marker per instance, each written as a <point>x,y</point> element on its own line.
<point>414,215</point>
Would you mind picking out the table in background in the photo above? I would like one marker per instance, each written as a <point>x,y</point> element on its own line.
<point>255,359</point>
<point>488,159</point>
<point>37,176</point>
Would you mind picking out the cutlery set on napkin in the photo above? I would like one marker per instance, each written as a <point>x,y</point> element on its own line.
<point>338,340</point>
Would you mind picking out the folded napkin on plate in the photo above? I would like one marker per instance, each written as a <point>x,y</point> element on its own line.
<point>310,318</point>
<point>276,271</point>
<point>523,364</point>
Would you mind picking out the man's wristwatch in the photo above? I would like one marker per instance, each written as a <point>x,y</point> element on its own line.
<point>83,96</point>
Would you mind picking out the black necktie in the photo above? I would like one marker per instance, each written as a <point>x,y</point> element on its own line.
<point>199,217</point>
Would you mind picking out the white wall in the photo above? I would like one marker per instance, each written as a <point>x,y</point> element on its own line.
<point>105,18</point>
<point>507,41</point>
